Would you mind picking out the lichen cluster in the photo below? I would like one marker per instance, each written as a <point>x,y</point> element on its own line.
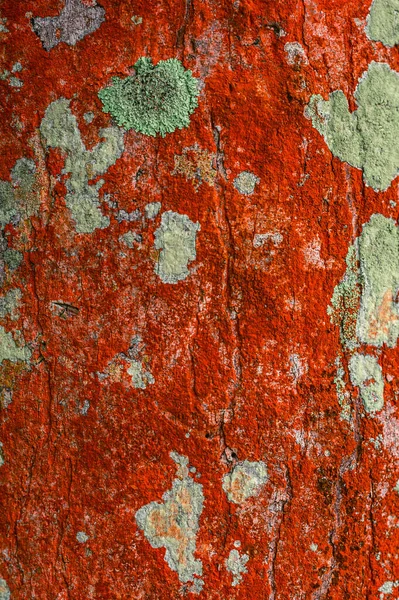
<point>157,99</point>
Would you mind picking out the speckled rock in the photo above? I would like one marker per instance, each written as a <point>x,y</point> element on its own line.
<point>199,316</point>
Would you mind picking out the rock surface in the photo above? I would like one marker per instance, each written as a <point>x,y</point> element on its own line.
<point>199,313</point>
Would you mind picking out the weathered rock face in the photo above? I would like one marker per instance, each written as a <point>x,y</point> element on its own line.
<point>199,271</point>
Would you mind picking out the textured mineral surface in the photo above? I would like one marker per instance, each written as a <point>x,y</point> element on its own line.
<point>199,300</point>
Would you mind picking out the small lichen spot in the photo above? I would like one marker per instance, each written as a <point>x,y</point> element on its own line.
<point>245,480</point>
<point>82,537</point>
<point>176,238</point>
<point>245,183</point>
<point>5,593</point>
<point>235,564</point>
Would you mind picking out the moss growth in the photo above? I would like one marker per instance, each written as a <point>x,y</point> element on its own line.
<point>156,100</point>
<point>368,138</point>
<point>383,22</point>
<point>60,129</point>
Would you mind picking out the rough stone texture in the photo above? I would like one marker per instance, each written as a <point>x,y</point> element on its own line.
<point>76,20</point>
<point>158,307</point>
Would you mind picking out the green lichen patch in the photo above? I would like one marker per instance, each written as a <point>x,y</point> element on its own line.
<point>364,302</point>
<point>378,320</point>
<point>383,22</point>
<point>368,138</point>
<point>245,182</point>
<point>176,238</point>
<point>19,198</point>
<point>174,524</point>
<point>235,564</point>
<point>141,377</point>
<point>9,304</point>
<point>246,479</point>
<point>366,374</point>
<point>9,349</point>
<point>5,593</point>
<point>156,100</point>
<point>152,209</point>
<point>59,129</point>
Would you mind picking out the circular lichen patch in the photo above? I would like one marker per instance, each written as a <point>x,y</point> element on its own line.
<point>155,100</point>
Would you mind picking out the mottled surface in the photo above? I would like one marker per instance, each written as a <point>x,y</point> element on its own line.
<point>77,19</point>
<point>224,298</point>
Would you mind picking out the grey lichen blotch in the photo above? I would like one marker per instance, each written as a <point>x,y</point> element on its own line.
<point>245,182</point>
<point>383,22</point>
<point>174,524</point>
<point>5,593</point>
<point>364,302</point>
<point>368,138</point>
<point>366,374</point>
<point>140,376</point>
<point>82,537</point>
<point>176,239</point>
<point>60,129</point>
<point>9,349</point>
<point>235,564</point>
<point>75,21</point>
<point>17,198</point>
<point>378,320</point>
<point>245,480</point>
<point>9,304</point>
<point>152,209</point>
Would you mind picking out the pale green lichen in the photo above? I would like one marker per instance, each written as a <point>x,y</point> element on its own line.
<point>9,304</point>
<point>82,537</point>
<point>366,374</point>
<point>5,593</point>
<point>174,524</point>
<point>388,587</point>
<point>368,138</point>
<point>140,376</point>
<point>245,182</point>
<point>245,480</point>
<point>364,306</point>
<point>152,209</point>
<point>383,22</point>
<point>378,319</point>
<point>9,349</point>
<point>2,459</point>
<point>176,238</point>
<point>364,302</point>
<point>156,100</point>
<point>235,564</point>
<point>17,198</point>
<point>59,129</point>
